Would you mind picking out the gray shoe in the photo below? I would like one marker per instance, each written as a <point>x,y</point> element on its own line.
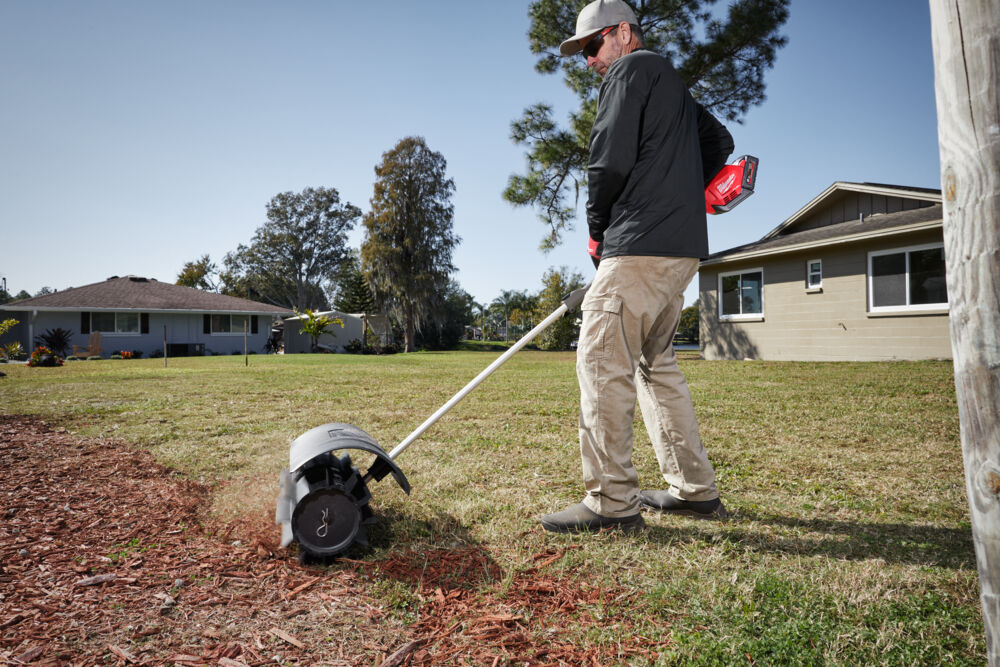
<point>581,519</point>
<point>663,501</point>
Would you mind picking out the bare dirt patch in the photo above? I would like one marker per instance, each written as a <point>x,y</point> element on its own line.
<point>107,557</point>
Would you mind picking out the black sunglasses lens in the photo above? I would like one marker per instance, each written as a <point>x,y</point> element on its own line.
<point>593,46</point>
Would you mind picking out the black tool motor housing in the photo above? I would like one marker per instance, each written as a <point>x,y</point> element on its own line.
<point>324,500</point>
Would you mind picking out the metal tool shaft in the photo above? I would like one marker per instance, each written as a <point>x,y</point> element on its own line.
<point>527,338</point>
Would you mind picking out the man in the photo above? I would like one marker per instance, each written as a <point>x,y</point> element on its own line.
<point>646,214</point>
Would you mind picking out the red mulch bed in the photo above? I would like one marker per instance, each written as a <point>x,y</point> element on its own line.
<point>107,557</point>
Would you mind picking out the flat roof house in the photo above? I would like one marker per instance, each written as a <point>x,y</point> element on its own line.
<point>856,274</point>
<point>134,313</point>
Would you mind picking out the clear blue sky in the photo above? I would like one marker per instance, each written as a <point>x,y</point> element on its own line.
<point>137,136</point>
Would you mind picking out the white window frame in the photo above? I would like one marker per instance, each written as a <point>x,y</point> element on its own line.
<point>741,316</point>
<point>116,332</point>
<point>908,307</point>
<point>818,286</point>
<point>244,320</point>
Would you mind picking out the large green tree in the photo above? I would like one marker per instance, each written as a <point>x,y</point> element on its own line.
<point>406,254</point>
<point>687,328</point>
<point>201,274</point>
<point>452,308</point>
<point>721,54</point>
<point>296,253</point>
<point>557,283</point>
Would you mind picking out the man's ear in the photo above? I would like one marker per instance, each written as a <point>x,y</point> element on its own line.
<point>624,33</point>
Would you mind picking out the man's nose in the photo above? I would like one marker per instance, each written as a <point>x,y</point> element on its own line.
<point>591,61</point>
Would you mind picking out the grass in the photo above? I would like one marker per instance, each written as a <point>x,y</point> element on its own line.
<point>850,541</point>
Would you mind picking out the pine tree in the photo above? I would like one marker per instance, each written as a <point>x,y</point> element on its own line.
<point>351,292</point>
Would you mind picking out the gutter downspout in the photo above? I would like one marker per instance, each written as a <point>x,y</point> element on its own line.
<point>31,332</point>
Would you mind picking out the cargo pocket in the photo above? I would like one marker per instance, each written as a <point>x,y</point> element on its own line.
<point>601,327</point>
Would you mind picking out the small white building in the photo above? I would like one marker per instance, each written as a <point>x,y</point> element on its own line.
<point>336,340</point>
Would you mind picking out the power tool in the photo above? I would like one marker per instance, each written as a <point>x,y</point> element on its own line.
<point>733,184</point>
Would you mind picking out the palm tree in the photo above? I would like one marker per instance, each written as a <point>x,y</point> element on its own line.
<point>503,304</point>
<point>316,325</point>
<point>481,310</point>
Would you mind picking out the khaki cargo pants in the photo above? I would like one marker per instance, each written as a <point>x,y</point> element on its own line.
<point>626,350</point>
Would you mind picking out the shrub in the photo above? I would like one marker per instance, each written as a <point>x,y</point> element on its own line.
<point>94,357</point>
<point>124,354</point>
<point>43,356</point>
<point>116,356</point>
<point>354,347</point>
<point>137,354</point>
<point>58,340</point>
<point>13,350</point>
<point>73,358</point>
<point>156,354</point>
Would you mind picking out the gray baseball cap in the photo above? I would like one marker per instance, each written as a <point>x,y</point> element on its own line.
<point>595,17</point>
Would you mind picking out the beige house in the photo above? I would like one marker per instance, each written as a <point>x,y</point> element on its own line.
<point>857,274</point>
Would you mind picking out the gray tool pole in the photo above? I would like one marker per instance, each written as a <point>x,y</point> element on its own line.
<point>967,85</point>
<point>573,300</point>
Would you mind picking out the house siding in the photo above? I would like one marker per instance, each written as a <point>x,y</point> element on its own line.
<point>832,324</point>
<point>852,205</point>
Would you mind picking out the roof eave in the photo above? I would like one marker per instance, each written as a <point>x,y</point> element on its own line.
<point>866,188</point>
<point>850,238</point>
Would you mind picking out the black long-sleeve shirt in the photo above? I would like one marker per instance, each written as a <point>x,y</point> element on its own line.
<point>647,171</point>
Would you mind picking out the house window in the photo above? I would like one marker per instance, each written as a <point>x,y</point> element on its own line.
<point>236,324</point>
<point>814,274</point>
<point>906,279</point>
<point>220,323</point>
<point>115,323</point>
<point>741,294</point>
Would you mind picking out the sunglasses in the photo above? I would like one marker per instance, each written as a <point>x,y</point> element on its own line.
<point>594,45</point>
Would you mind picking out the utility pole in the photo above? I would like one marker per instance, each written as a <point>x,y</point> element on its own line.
<point>966,40</point>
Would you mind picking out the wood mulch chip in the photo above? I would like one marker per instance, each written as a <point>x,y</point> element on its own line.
<point>107,557</point>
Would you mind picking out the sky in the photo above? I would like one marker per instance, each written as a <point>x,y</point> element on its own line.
<point>137,136</point>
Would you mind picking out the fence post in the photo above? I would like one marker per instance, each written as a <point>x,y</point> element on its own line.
<point>966,39</point>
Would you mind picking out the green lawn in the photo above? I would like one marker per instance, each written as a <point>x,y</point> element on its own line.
<point>850,538</point>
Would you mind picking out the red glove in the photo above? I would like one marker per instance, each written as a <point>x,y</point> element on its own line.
<point>595,248</point>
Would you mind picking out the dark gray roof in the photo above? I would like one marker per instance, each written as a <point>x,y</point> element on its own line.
<point>135,293</point>
<point>883,222</point>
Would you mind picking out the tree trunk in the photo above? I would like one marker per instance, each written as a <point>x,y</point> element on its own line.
<point>410,330</point>
<point>966,40</point>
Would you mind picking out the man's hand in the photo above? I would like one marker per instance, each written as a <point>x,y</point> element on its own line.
<point>594,249</point>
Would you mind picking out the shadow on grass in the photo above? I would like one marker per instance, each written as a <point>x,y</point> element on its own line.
<point>908,544</point>
<point>429,553</point>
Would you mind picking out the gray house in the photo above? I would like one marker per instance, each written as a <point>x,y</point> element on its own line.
<point>133,313</point>
<point>856,274</point>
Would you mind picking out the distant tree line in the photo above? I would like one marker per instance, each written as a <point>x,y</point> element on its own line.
<point>7,297</point>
